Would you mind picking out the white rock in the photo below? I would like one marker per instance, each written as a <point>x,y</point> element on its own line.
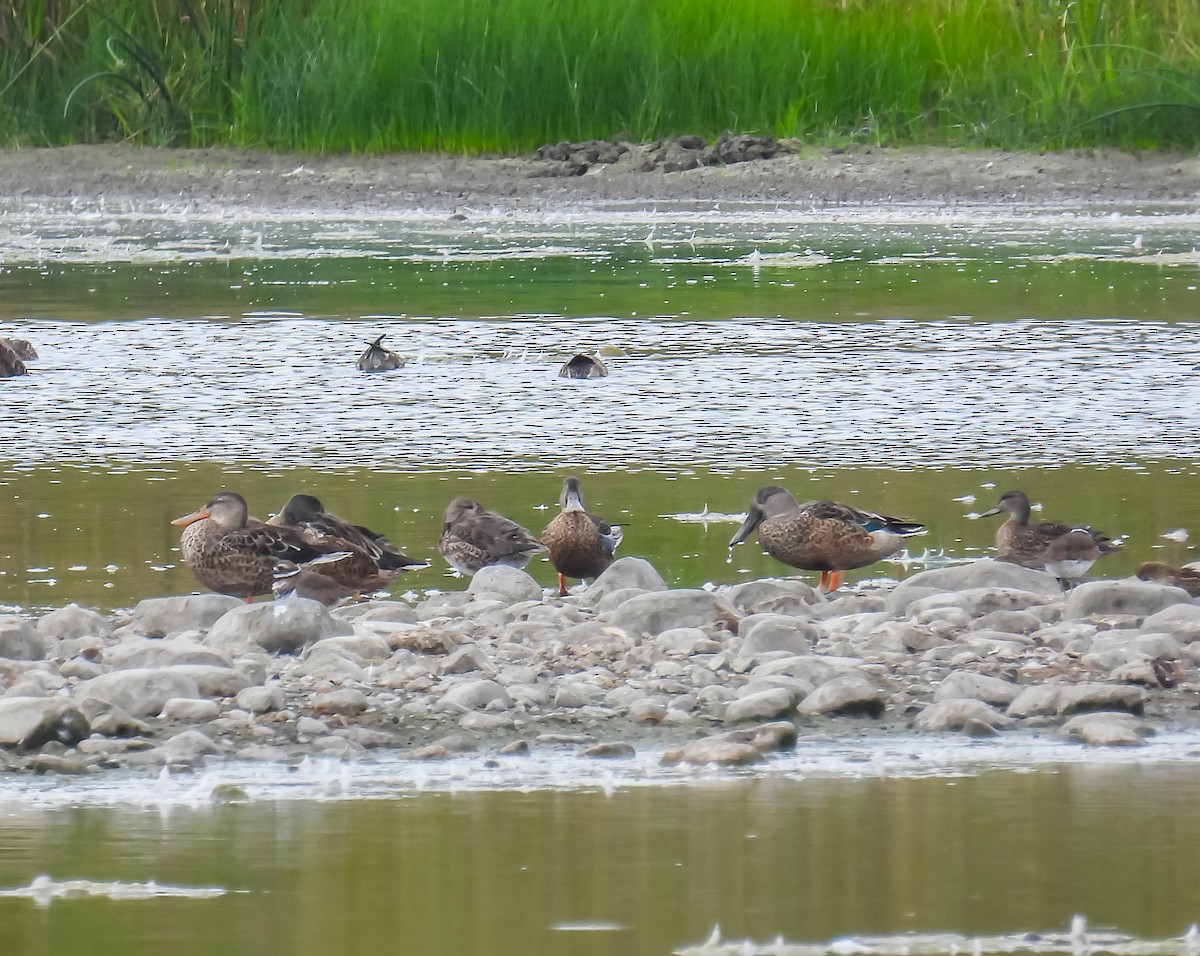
<point>140,692</point>
<point>20,640</point>
<point>278,627</point>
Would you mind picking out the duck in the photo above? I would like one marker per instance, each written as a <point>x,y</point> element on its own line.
<point>293,580</point>
<point>370,561</point>
<point>1186,577</point>
<point>10,362</point>
<point>231,553</point>
<point>1070,556</point>
<point>821,535</point>
<point>377,358</point>
<point>580,544</point>
<point>1019,542</point>
<point>23,347</point>
<point>473,538</point>
<point>583,366</point>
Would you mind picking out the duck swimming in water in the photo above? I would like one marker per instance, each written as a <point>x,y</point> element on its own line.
<point>583,366</point>
<point>581,544</point>
<point>1020,542</point>
<point>821,535</point>
<point>370,561</point>
<point>10,362</point>
<point>473,538</point>
<point>232,553</point>
<point>377,358</point>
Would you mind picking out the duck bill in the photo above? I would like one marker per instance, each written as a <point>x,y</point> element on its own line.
<point>192,518</point>
<point>751,522</point>
<point>990,512</point>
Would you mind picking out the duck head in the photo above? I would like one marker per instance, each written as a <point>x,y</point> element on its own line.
<point>300,509</point>
<point>226,509</point>
<point>571,498</point>
<point>1016,503</point>
<point>769,502</point>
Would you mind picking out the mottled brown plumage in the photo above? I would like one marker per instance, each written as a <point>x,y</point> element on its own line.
<point>370,562</point>
<point>1020,542</point>
<point>821,535</point>
<point>473,538</point>
<point>232,553</point>
<point>581,544</point>
<point>1187,577</point>
<point>292,580</point>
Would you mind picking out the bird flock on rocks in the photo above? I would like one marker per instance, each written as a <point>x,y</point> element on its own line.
<point>308,552</point>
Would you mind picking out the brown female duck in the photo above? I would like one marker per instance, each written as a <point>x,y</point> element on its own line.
<point>1187,577</point>
<point>821,535</point>
<point>473,538</point>
<point>1020,542</point>
<point>292,580</point>
<point>232,553</point>
<point>581,544</point>
<point>370,561</point>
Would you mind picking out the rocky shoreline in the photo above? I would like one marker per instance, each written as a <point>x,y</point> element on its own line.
<point>725,676</point>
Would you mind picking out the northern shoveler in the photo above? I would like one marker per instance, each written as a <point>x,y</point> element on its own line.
<point>583,366</point>
<point>473,538</point>
<point>370,562</point>
<point>377,358</point>
<point>581,544</point>
<point>232,553</point>
<point>1020,542</point>
<point>821,535</point>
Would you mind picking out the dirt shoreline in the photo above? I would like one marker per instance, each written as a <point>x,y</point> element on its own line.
<point>366,185</point>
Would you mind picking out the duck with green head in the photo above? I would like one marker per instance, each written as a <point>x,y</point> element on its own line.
<point>821,536</point>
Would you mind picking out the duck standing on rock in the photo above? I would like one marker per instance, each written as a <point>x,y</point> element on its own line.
<point>581,544</point>
<point>377,358</point>
<point>232,553</point>
<point>1029,545</point>
<point>473,538</point>
<point>370,561</point>
<point>821,535</point>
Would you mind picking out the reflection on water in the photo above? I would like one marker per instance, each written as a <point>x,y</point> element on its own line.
<point>644,870</point>
<point>904,360</point>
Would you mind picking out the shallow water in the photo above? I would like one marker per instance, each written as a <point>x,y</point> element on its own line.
<point>370,858</point>
<point>912,360</point>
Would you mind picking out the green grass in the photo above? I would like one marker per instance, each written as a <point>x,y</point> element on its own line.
<point>509,75</point>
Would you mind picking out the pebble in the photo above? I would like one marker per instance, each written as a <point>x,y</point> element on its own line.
<point>723,675</point>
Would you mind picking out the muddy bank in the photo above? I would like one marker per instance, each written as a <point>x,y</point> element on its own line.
<point>723,676</point>
<point>124,175</point>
